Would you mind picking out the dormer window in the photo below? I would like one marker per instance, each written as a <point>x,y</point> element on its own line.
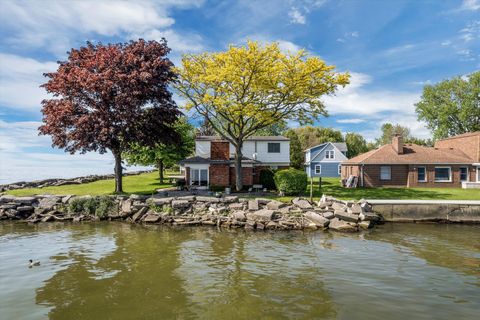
<point>330,154</point>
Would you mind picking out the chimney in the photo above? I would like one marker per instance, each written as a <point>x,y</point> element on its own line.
<point>397,143</point>
<point>219,150</point>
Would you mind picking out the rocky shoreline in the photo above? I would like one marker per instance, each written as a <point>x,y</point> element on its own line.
<point>225,212</point>
<point>54,182</point>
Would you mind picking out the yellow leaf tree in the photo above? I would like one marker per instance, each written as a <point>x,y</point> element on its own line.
<point>247,88</point>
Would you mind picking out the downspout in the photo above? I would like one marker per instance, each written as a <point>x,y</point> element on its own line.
<point>361,174</point>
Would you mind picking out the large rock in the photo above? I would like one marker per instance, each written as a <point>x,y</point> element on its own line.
<point>229,199</point>
<point>253,205</point>
<point>208,199</point>
<point>48,202</point>
<point>369,216</point>
<point>6,198</point>
<point>25,200</point>
<point>302,203</point>
<point>366,224</point>
<point>317,219</point>
<point>338,206</point>
<point>328,215</point>
<point>139,214</point>
<point>180,204</point>
<point>25,209</point>
<point>339,225</point>
<point>355,209</point>
<point>161,201</point>
<point>187,198</point>
<point>346,216</point>
<point>235,206</point>
<point>239,216</point>
<point>126,207</point>
<point>151,218</point>
<point>264,215</point>
<point>275,205</point>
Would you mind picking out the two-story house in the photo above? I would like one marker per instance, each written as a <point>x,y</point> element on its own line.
<point>213,163</point>
<point>325,159</point>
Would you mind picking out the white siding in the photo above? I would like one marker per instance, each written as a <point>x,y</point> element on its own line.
<point>307,156</point>
<point>202,149</point>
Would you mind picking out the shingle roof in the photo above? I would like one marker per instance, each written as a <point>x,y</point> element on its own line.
<point>463,135</point>
<point>198,159</point>
<point>342,146</point>
<point>252,138</point>
<point>412,154</point>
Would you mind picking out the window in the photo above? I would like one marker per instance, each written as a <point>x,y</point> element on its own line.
<point>478,174</point>
<point>385,173</point>
<point>421,174</point>
<point>463,174</point>
<point>318,169</point>
<point>199,177</point>
<point>273,147</point>
<point>339,169</point>
<point>329,154</point>
<point>443,174</point>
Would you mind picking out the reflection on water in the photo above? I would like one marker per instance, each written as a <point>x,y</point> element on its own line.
<point>120,271</point>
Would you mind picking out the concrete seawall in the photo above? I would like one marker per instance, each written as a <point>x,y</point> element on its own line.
<point>454,211</point>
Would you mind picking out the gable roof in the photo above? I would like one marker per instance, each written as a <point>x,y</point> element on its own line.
<point>412,154</point>
<point>252,138</point>
<point>463,135</point>
<point>342,146</point>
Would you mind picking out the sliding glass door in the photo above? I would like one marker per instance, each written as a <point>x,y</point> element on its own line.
<point>199,177</point>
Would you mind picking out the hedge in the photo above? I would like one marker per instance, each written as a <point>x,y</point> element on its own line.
<point>291,181</point>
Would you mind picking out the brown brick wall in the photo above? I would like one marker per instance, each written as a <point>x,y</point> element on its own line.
<point>247,176</point>
<point>469,145</point>
<point>219,175</point>
<point>220,150</point>
<point>350,170</point>
<point>371,176</point>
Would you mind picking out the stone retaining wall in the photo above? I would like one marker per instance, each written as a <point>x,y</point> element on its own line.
<point>62,182</point>
<point>228,212</point>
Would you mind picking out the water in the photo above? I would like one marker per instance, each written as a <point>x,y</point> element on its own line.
<point>122,271</point>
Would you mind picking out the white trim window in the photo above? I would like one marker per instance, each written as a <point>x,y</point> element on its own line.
<point>199,177</point>
<point>422,174</point>
<point>463,171</point>
<point>443,174</point>
<point>339,169</point>
<point>385,173</point>
<point>273,147</point>
<point>318,169</point>
<point>330,154</point>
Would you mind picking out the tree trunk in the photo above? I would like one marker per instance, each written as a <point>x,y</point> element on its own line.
<point>160,170</point>
<point>238,167</point>
<point>118,172</point>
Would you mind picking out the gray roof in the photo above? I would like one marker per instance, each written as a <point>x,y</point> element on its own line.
<point>252,138</point>
<point>342,146</point>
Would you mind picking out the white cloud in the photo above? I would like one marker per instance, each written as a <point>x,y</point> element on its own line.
<point>178,42</point>
<point>353,120</point>
<point>20,80</point>
<point>348,36</point>
<point>470,5</point>
<point>50,24</point>
<point>296,16</point>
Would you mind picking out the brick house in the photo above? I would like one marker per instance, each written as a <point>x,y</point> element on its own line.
<point>213,163</point>
<point>453,162</point>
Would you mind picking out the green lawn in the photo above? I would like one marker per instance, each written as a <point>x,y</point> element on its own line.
<point>145,183</point>
<point>332,187</point>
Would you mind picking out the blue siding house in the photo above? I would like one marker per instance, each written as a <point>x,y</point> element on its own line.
<point>324,160</point>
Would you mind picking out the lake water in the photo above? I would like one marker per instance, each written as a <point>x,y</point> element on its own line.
<point>122,271</point>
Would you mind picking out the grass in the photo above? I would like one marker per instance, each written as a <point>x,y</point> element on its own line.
<point>145,183</point>
<point>332,187</point>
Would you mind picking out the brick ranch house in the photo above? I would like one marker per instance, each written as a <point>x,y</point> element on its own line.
<point>213,163</point>
<point>453,162</point>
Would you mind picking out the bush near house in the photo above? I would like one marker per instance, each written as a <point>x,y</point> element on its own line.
<point>291,181</point>
<point>267,179</point>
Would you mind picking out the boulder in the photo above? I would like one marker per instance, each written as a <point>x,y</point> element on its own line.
<point>253,205</point>
<point>317,219</point>
<point>275,205</point>
<point>355,209</point>
<point>66,199</point>
<point>187,198</point>
<point>139,214</point>
<point>236,206</point>
<point>271,225</point>
<point>263,201</point>
<point>369,216</point>
<point>338,206</point>
<point>239,216</point>
<point>302,203</point>
<point>260,226</point>
<point>23,209</point>
<point>229,199</point>
<point>328,214</point>
<point>367,224</point>
<point>25,200</point>
<point>161,201</point>
<point>208,199</point>
<point>151,218</point>
<point>261,215</point>
<point>126,206</point>
<point>346,216</point>
<point>250,225</point>
<point>7,198</point>
<point>180,204</point>
<point>339,225</point>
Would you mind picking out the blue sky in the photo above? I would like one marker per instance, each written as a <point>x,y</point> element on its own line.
<point>391,48</point>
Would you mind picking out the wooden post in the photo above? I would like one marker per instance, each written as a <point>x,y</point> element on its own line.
<point>311,189</point>
<point>319,183</point>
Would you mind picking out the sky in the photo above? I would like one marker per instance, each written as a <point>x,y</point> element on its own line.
<point>391,49</point>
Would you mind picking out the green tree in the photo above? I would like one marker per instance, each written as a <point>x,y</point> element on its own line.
<point>164,155</point>
<point>451,107</point>
<point>245,89</point>
<point>420,142</point>
<point>356,144</point>
<point>389,130</point>
<point>310,136</point>
<point>276,129</point>
<point>297,154</point>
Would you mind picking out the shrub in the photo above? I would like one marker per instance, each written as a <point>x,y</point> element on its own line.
<point>104,206</point>
<point>291,181</point>
<point>267,179</point>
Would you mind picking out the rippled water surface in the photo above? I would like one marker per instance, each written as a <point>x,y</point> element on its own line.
<point>120,271</point>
